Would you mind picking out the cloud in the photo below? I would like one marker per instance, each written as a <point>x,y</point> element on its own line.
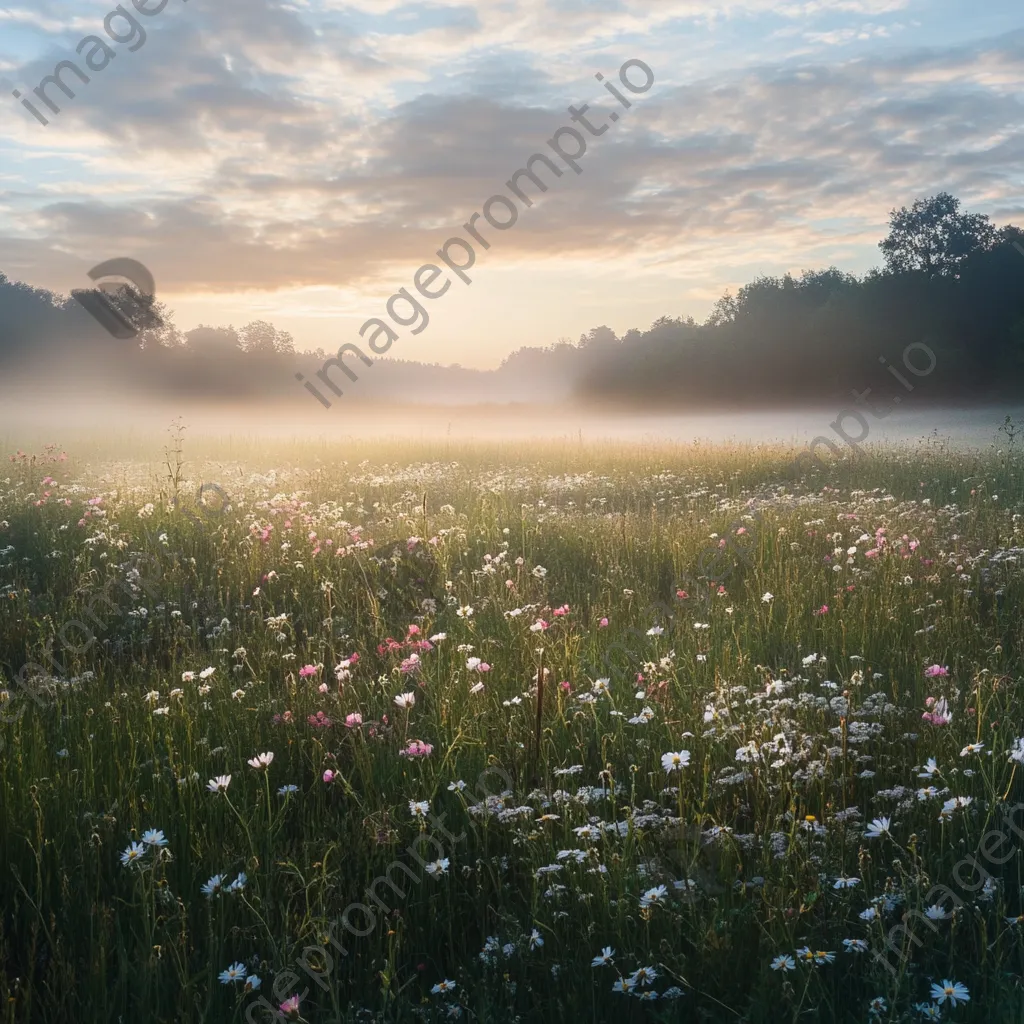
<point>256,146</point>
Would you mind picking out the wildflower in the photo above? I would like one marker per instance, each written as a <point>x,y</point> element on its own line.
<point>935,670</point>
<point>219,784</point>
<point>536,939</point>
<point>154,837</point>
<point>855,945</point>
<point>290,1007</point>
<point>936,913</point>
<point>783,963</point>
<point>287,790</point>
<point>930,769</point>
<point>653,896</point>
<point>675,761</point>
<point>644,976</point>
<point>443,987</point>
<point>417,748</point>
<point>213,886</point>
<point>253,982</point>
<point>624,985</point>
<point>1016,752</point>
<point>955,804</point>
<point>954,991</point>
<point>328,775</point>
<point>353,720</point>
<point>236,972</point>
<point>239,883</point>
<point>766,598</point>
<point>655,631</point>
<point>868,915</point>
<point>261,762</point>
<point>419,808</point>
<point>206,673</point>
<point>465,612</point>
<point>437,868</point>
<point>941,715</point>
<point>604,957</point>
<point>878,827</point>
<point>405,700</point>
<point>823,957</point>
<point>972,748</point>
<point>878,1005</point>
<point>842,882</point>
<point>132,854</point>
<point>308,670</point>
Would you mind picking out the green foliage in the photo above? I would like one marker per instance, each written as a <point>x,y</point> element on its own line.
<point>107,738</point>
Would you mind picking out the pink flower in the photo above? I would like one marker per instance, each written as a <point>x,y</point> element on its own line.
<point>308,670</point>
<point>941,715</point>
<point>935,670</point>
<point>682,595</point>
<point>565,685</point>
<point>413,630</point>
<point>328,775</point>
<point>823,610</point>
<point>603,623</point>
<point>353,720</point>
<point>290,1008</point>
<point>417,748</point>
<point>564,610</point>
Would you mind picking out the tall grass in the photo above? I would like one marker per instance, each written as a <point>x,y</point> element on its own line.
<point>329,551</point>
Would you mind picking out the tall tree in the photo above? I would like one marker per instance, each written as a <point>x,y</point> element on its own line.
<point>934,237</point>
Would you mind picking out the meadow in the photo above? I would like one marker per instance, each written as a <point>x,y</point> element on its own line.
<point>433,731</point>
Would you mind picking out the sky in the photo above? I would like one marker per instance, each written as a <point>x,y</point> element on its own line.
<point>299,161</point>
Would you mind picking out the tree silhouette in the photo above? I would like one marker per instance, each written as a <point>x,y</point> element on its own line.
<point>934,237</point>
<point>264,338</point>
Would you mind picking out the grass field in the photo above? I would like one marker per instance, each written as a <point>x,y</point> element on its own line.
<point>558,733</point>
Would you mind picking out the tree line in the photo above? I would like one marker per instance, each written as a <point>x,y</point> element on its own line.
<point>950,279</point>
